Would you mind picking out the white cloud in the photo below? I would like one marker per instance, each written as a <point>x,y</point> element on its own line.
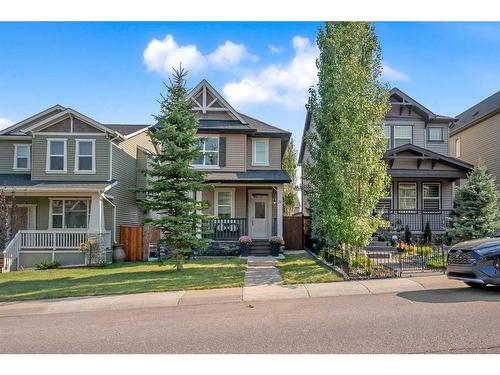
<point>282,84</point>
<point>5,123</point>
<point>230,53</point>
<point>163,55</point>
<point>392,74</point>
<point>274,49</point>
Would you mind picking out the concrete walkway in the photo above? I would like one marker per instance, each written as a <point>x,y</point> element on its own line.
<point>212,296</point>
<point>262,271</point>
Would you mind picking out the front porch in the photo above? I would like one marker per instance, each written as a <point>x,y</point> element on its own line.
<point>250,210</point>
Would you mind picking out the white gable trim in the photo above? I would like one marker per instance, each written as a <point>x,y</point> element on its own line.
<point>68,113</point>
<point>31,118</point>
<point>204,85</point>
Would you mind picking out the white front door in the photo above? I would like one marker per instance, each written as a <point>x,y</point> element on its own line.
<point>260,215</point>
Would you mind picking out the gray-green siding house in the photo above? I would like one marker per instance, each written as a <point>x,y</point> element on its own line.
<point>72,178</point>
<point>422,171</point>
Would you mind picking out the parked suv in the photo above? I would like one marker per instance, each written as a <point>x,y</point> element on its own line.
<point>476,262</point>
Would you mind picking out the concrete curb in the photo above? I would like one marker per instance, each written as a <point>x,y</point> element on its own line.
<point>228,295</point>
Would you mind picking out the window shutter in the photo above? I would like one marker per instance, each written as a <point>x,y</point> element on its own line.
<point>222,151</point>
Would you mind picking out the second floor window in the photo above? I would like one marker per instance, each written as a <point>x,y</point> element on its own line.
<point>22,157</point>
<point>402,135</point>
<point>85,155</point>
<point>209,152</point>
<point>435,134</point>
<point>387,136</point>
<point>56,155</point>
<point>260,152</point>
<point>458,151</point>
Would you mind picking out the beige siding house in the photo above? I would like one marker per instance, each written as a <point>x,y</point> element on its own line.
<point>423,173</point>
<point>71,177</point>
<point>242,156</point>
<point>475,135</point>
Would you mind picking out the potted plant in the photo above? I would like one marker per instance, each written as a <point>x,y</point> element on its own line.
<point>276,242</point>
<point>245,242</point>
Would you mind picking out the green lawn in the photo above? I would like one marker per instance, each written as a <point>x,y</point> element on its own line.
<point>299,269</point>
<point>133,277</point>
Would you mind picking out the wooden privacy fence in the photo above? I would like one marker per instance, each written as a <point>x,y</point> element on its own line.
<point>293,232</point>
<point>136,239</point>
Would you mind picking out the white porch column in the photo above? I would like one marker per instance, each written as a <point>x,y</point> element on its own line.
<point>96,220</point>
<point>279,211</point>
<point>198,195</point>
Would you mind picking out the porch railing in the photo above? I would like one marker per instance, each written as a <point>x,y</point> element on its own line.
<point>37,239</point>
<point>416,220</point>
<point>226,229</point>
<point>11,254</point>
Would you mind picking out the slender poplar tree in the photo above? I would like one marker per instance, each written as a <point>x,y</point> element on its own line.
<point>290,191</point>
<point>347,176</point>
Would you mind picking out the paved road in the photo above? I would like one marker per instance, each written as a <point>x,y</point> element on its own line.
<point>437,321</point>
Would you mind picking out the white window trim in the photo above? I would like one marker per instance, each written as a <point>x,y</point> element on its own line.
<point>16,146</point>
<point>416,196</point>
<point>47,163</point>
<point>203,166</point>
<point>77,157</point>
<point>63,207</point>
<point>394,134</point>
<point>431,198</point>
<point>458,147</point>
<point>254,152</point>
<point>216,200</point>
<point>429,134</point>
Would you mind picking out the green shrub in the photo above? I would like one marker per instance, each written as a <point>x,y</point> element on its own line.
<point>220,251</point>
<point>407,234</point>
<point>427,233</point>
<point>425,250</point>
<point>47,264</point>
<point>362,262</point>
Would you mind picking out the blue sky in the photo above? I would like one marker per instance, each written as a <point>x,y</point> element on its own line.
<point>114,72</point>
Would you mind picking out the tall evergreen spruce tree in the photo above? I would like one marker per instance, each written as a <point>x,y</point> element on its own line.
<point>171,179</point>
<point>290,191</point>
<point>476,211</point>
<point>347,176</point>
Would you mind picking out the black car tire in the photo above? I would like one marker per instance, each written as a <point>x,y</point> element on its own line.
<point>476,285</point>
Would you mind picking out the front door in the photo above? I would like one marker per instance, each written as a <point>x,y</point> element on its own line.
<point>259,215</point>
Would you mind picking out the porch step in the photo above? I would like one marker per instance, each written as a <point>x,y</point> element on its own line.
<point>260,248</point>
<point>375,248</point>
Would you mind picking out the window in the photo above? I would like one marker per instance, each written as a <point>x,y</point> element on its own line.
<point>435,134</point>
<point>260,152</point>
<point>224,203</point>
<point>209,152</point>
<point>56,155</point>
<point>402,135</point>
<point>432,197</point>
<point>458,151</point>
<point>385,203</point>
<point>387,135</point>
<point>22,157</point>
<point>69,214</point>
<point>407,196</point>
<point>85,156</point>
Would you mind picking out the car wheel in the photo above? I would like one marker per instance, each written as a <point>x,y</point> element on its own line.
<point>476,285</point>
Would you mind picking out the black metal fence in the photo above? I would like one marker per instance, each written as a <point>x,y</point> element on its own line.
<point>417,219</point>
<point>386,264</point>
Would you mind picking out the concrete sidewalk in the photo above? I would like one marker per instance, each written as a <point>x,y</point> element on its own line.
<point>211,296</point>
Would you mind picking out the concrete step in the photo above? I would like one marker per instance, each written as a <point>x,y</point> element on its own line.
<point>379,255</point>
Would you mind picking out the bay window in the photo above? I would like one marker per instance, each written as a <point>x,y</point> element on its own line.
<point>69,214</point>
<point>208,152</point>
